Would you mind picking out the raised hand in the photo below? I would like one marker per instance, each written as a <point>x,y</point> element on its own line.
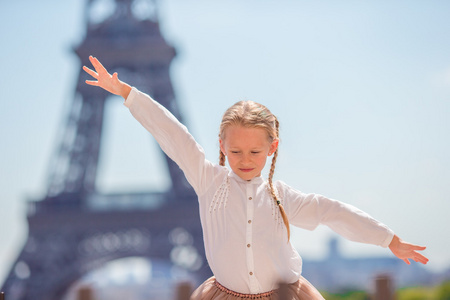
<point>406,251</point>
<point>106,81</point>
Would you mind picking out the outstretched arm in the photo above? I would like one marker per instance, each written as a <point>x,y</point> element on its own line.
<point>108,82</point>
<point>406,251</point>
<point>173,137</point>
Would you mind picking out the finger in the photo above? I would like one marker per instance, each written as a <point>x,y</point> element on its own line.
<point>90,72</point>
<point>407,261</point>
<point>421,258</point>
<point>92,82</point>
<point>420,248</point>
<point>414,246</point>
<point>92,59</point>
<point>97,64</point>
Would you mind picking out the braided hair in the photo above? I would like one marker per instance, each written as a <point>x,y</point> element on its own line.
<point>254,115</point>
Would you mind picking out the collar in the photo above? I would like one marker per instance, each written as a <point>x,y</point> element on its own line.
<point>255,180</point>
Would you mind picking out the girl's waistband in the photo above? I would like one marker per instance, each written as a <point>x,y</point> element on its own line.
<point>245,296</point>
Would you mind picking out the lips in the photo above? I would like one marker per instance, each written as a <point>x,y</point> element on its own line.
<point>246,170</point>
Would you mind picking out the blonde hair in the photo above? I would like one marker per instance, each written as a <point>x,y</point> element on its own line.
<point>254,115</point>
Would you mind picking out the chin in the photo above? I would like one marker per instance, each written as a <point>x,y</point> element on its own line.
<point>246,176</point>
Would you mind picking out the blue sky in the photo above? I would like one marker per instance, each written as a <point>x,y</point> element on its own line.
<point>361,88</point>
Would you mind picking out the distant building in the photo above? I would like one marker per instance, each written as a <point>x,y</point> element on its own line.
<point>337,273</point>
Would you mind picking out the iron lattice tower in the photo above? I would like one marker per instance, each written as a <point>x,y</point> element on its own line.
<point>75,229</point>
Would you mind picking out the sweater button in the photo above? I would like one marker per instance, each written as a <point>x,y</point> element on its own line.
<point>249,221</point>
<point>250,198</point>
<point>251,273</point>
<point>248,245</point>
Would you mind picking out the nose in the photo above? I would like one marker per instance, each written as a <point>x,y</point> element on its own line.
<point>246,159</point>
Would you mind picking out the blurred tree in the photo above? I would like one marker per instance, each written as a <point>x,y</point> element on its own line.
<point>443,291</point>
<point>415,293</point>
<point>440,292</point>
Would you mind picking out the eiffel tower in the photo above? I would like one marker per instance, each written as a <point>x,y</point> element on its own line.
<point>75,229</point>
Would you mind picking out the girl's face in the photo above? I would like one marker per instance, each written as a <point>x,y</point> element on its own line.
<point>247,150</point>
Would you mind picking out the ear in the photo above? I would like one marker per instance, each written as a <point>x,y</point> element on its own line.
<point>273,146</point>
<point>222,147</point>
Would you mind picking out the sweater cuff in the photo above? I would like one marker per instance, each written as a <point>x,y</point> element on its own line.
<point>131,96</point>
<point>388,240</point>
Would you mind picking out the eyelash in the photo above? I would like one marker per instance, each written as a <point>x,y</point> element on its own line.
<point>253,152</point>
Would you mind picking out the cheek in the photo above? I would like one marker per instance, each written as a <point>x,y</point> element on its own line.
<point>231,159</point>
<point>261,160</point>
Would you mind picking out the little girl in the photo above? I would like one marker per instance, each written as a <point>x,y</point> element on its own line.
<point>245,219</point>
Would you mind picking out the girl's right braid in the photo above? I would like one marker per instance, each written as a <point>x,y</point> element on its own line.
<point>272,189</point>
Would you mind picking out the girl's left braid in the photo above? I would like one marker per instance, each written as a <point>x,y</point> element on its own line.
<point>221,158</point>
<point>272,189</point>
